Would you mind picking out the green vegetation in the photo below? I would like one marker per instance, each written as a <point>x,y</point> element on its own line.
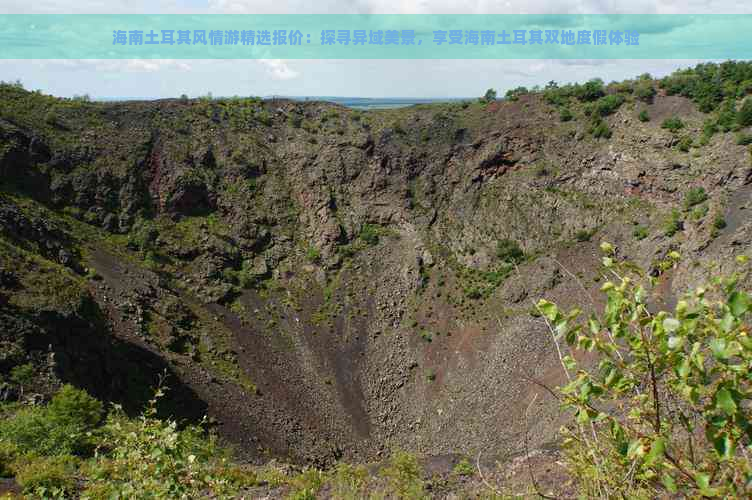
<point>674,124</point>
<point>664,411</point>
<point>565,115</point>
<point>599,128</point>
<point>695,196</point>
<point>46,447</point>
<point>709,84</point>
<point>643,116</point>
<point>684,144</point>
<point>489,96</point>
<point>673,224</point>
<point>509,251</point>
<point>640,233</point>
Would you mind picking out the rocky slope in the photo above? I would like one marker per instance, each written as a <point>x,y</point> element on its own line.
<point>328,283</point>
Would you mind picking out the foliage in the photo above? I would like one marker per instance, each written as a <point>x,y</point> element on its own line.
<point>599,128</point>
<point>608,104</point>
<point>640,233</point>
<point>514,94</point>
<point>643,116</point>
<point>695,196</point>
<point>22,375</point>
<point>744,116</point>
<point>489,96</point>
<point>673,124</point>
<point>61,428</point>
<point>665,412</point>
<point>708,84</point>
<point>46,477</point>
<point>370,234</point>
<point>565,115</point>
<point>464,468</point>
<point>509,251</point>
<point>405,476</point>
<point>743,139</point>
<point>673,224</point>
<point>644,90</point>
<point>684,143</point>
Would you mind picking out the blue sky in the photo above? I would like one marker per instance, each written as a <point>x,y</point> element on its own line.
<point>365,78</point>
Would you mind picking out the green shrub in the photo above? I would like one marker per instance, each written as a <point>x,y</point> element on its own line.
<point>464,468</point>
<point>644,90</point>
<point>673,124</point>
<point>743,139</point>
<point>489,96</point>
<point>405,476</point>
<point>47,477</point>
<point>673,224</point>
<point>684,144</point>
<point>584,235</point>
<point>608,104</point>
<point>509,251</point>
<point>599,129</point>
<point>565,115</point>
<point>640,233</point>
<point>313,254</point>
<point>719,222</point>
<point>663,410</point>
<point>22,375</point>
<point>8,454</point>
<point>744,117</point>
<point>643,116</point>
<point>695,196</point>
<point>370,234</point>
<point>71,406</point>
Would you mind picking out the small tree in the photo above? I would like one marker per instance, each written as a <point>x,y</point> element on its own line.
<point>490,95</point>
<point>666,410</point>
<point>744,116</point>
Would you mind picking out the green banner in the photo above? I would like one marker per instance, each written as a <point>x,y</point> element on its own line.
<point>397,36</point>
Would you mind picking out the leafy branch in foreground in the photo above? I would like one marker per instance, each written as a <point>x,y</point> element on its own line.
<point>666,409</point>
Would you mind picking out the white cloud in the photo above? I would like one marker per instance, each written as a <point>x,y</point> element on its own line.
<point>278,69</point>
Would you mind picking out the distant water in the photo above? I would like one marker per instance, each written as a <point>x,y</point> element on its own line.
<point>350,102</point>
<point>378,102</point>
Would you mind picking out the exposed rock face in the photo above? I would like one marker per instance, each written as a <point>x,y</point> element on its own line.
<point>324,282</point>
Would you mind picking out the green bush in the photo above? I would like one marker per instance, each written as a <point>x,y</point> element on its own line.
<point>404,474</point>
<point>509,251</point>
<point>684,144</point>
<point>608,104</point>
<point>673,124</point>
<point>599,129</point>
<point>744,116</point>
<point>640,233</point>
<point>643,116</point>
<point>8,454</point>
<point>673,224</point>
<point>71,406</point>
<point>565,115</point>
<point>644,90</point>
<point>370,234</point>
<point>695,196</point>
<point>743,139</point>
<point>47,477</point>
<point>61,428</point>
<point>719,222</point>
<point>584,235</point>
<point>663,411</point>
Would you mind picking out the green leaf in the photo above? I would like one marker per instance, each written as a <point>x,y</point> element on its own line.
<point>738,303</point>
<point>724,401</point>
<point>636,449</point>
<point>549,310</point>
<point>702,480</point>
<point>669,483</point>
<point>657,449</point>
<point>675,343</point>
<point>671,324</point>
